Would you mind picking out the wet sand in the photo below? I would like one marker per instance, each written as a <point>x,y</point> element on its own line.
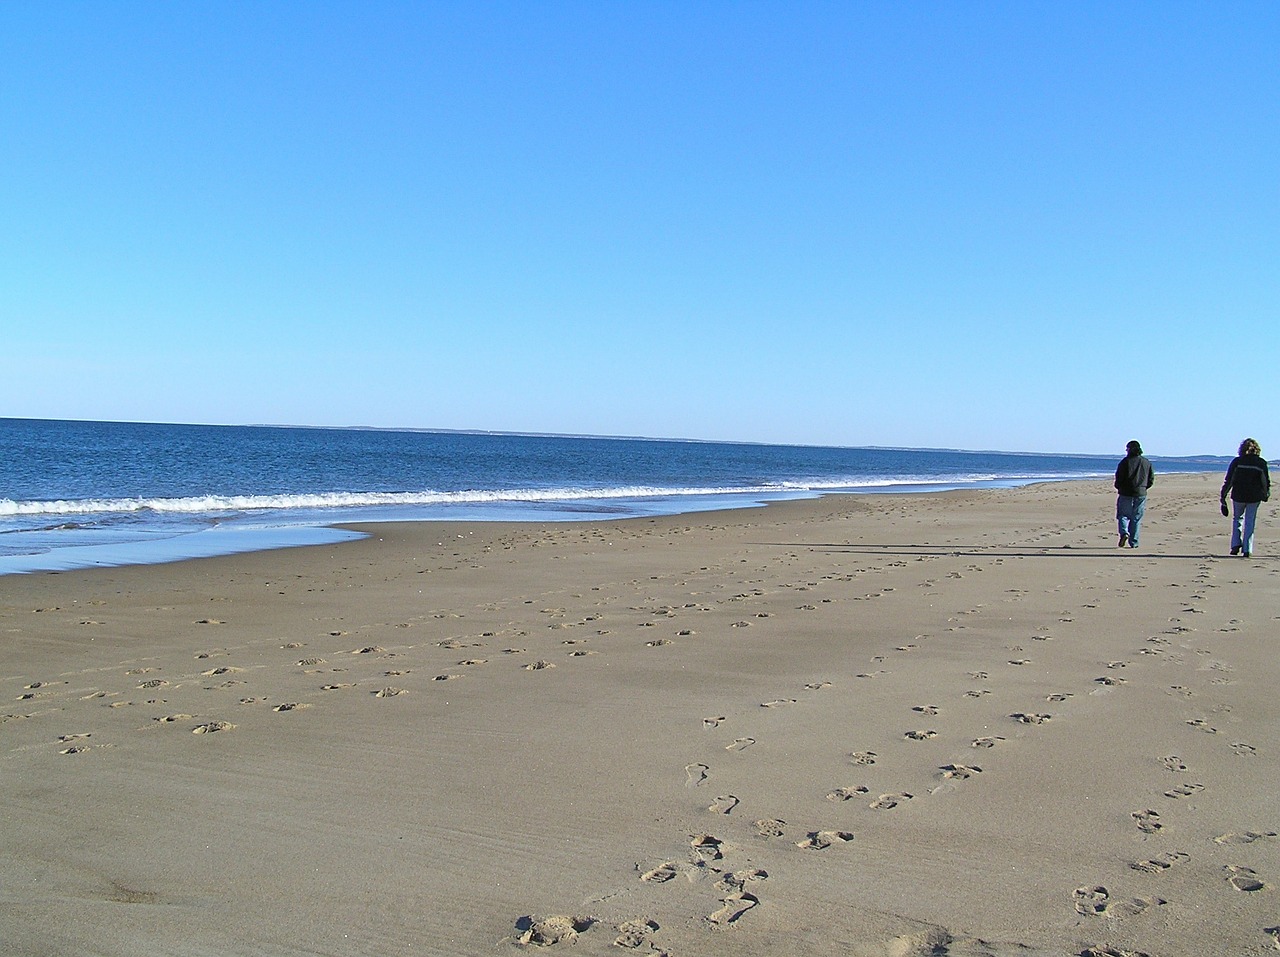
<point>961,723</point>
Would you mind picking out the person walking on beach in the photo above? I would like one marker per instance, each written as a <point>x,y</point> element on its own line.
<point>1249,483</point>
<point>1134,475</point>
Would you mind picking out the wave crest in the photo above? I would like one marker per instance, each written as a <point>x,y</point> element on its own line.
<point>205,504</point>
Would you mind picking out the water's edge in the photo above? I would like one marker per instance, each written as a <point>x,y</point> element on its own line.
<point>232,540</point>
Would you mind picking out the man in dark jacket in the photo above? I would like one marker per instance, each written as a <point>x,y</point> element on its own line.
<point>1249,483</point>
<point>1134,475</point>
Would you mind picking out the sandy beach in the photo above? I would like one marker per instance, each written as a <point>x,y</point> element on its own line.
<point>961,723</point>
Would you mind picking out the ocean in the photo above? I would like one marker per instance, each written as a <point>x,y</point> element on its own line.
<point>80,494</point>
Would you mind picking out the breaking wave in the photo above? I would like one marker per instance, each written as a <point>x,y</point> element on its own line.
<point>214,504</point>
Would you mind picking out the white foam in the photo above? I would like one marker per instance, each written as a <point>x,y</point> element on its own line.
<point>214,504</point>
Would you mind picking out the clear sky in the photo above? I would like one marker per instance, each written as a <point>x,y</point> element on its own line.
<point>1028,225</point>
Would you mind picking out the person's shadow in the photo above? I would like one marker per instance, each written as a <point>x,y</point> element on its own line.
<point>993,551</point>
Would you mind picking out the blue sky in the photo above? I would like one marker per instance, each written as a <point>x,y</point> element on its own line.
<point>1025,226</point>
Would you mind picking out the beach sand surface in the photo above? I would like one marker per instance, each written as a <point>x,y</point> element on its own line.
<point>961,723</point>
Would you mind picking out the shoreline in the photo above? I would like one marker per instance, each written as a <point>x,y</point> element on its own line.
<point>233,538</point>
<point>844,725</point>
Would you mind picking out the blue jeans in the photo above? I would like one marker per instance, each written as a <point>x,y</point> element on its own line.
<point>1244,515</point>
<point>1129,509</point>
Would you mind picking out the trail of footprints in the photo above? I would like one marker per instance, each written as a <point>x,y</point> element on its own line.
<point>1097,900</point>
<point>1089,900</point>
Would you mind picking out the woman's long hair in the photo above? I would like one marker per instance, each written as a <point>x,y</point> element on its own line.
<point>1250,447</point>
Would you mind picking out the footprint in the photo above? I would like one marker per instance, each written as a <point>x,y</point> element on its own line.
<point>1155,865</point>
<point>539,665</point>
<point>1111,680</point>
<point>336,687</point>
<point>1184,790</point>
<point>550,931</point>
<point>660,874</point>
<point>1201,725</point>
<point>989,741</point>
<point>1174,763</point>
<point>712,722</point>
<point>817,685</point>
<point>846,794</point>
<point>1242,750</point>
<point>1031,718</point>
<point>1091,901</point>
<point>1132,906</point>
<point>770,827</point>
<point>979,693</point>
<point>212,727</point>
<point>1058,696</point>
<point>724,804</point>
<point>389,692</point>
<point>735,905</point>
<point>778,702</point>
<point>707,847</point>
<point>929,709</point>
<point>1243,878</point>
<point>738,879</point>
<point>696,775</point>
<point>740,744</point>
<point>635,933</point>
<point>960,772</point>
<point>1242,837</point>
<point>862,758</point>
<point>1096,901</point>
<point>1148,821</point>
<point>920,735</point>
<point>886,801</point>
<point>821,840</point>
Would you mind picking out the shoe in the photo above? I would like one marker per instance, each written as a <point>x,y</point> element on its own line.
<point>1133,544</point>
<point>1124,540</point>
<point>1248,554</point>
<point>1235,550</point>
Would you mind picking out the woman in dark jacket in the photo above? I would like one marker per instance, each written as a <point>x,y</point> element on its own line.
<point>1249,483</point>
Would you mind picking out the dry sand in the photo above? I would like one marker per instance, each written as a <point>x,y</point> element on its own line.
<point>962,723</point>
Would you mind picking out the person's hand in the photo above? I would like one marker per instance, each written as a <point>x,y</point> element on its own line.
<point>1225,510</point>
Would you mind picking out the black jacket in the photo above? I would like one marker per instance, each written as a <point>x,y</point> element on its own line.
<point>1247,479</point>
<point>1134,475</point>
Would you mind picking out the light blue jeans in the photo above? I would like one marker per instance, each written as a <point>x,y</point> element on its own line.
<point>1244,515</point>
<point>1129,509</point>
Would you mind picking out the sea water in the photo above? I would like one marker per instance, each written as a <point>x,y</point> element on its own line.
<point>75,494</point>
